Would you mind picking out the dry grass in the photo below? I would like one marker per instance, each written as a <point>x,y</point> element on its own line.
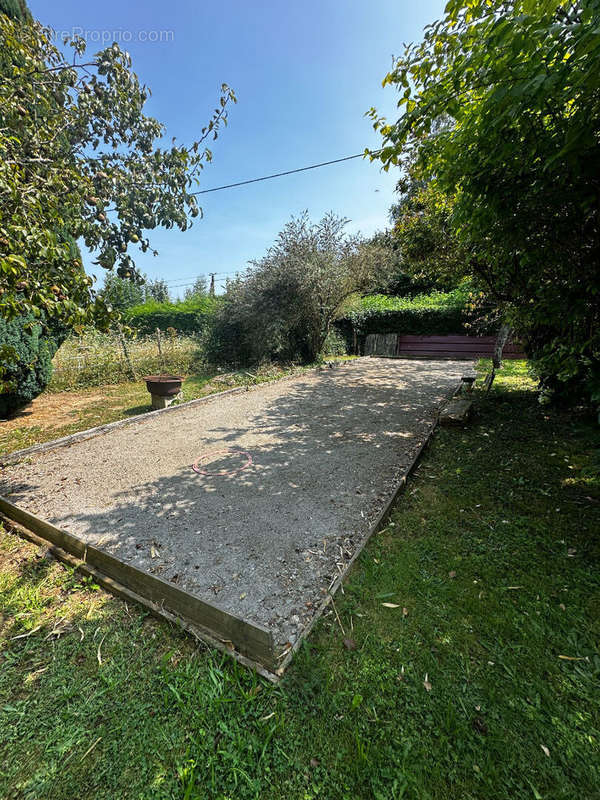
<point>96,359</point>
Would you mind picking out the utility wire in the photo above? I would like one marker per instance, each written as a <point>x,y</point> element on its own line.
<point>202,275</point>
<point>288,172</point>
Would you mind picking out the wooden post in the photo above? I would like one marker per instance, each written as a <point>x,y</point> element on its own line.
<point>501,340</point>
<point>126,352</point>
<point>160,354</point>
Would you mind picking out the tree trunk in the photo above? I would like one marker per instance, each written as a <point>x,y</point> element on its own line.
<point>501,339</point>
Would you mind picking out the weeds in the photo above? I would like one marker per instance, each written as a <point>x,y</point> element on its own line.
<point>96,359</point>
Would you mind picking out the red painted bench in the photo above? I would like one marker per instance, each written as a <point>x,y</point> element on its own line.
<point>468,347</point>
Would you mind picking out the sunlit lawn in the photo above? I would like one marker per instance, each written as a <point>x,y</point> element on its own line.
<point>479,680</point>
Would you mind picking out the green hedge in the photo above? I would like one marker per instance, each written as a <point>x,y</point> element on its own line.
<point>26,352</point>
<point>436,314</point>
<point>189,316</point>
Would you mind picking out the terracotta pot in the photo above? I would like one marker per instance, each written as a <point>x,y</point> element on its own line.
<point>163,385</point>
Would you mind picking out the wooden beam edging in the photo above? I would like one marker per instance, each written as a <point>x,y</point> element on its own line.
<point>374,528</point>
<point>249,642</point>
<point>19,455</point>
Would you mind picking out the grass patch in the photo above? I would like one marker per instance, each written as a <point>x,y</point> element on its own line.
<point>482,682</point>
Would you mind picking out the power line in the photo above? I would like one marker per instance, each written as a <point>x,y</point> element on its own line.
<point>202,275</point>
<point>288,172</point>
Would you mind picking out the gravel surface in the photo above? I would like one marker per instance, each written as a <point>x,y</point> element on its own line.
<point>265,541</point>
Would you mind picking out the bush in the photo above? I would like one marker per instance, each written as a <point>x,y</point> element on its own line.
<point>189,316</point>
<point>335,344</point>
<point>26,350</point>
<point>283,307</point>
<point>224,341</point>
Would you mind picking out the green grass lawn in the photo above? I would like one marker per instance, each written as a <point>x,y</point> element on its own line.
<point>482,681</point>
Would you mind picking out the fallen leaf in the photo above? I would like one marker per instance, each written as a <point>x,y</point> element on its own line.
<point>562,606</point>
<point>426,683</point>
<point>314,762</point>
<point>405,612</point>
<point>255,690</point>
<point>242,595</point>
<point>349,644</point>
<point>545,749</point>
<point>391,605</point>
<point>452,574</point>
<point>154,552</point>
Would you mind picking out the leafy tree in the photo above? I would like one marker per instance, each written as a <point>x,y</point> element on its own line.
<point>284,306</point>
<point>78,155</point>
<point>157,290</point>
<point>518,166</point>
<point>121,293</point>
<point>27,345</point>
<point>430,253</point>
<point>199,289</point>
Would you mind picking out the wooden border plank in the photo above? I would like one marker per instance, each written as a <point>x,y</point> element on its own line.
<point>249,639</point>
<point>116,588</point>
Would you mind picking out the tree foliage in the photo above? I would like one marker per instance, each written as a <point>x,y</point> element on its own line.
<point>157,290</point>
<point>518,165</point>
<point>284,306</point>
<point>79,160</point>
<point>121,293</point>
<point>15,9</point>
<point>432,256</point>
<point>198,289</point>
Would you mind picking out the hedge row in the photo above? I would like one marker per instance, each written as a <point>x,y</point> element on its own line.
<point>189,317</point>
<point>437,314</point>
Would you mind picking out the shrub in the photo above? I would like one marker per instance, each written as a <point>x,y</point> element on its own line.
<point>188,317</point>
<point>335,344</point>
<point>283,308</point>
<point>26,350</point>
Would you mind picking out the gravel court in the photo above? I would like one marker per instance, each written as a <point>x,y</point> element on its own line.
<point>288,479</point>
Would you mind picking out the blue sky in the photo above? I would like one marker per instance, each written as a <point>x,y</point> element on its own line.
<point>304,72</point>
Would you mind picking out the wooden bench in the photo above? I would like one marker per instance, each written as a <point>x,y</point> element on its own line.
<point>395,345</point>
